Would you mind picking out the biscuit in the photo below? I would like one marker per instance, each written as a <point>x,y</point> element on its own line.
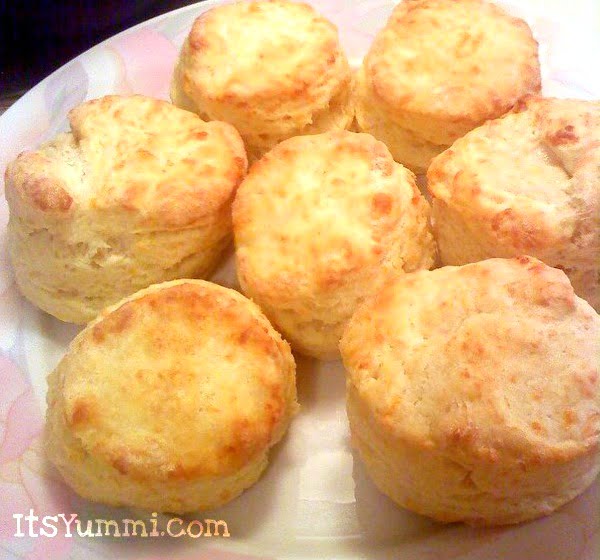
<point>473,392</point>
<point>318,223</point>
<point>171,399</point>
<point>406,146</point>
<point>138,192</point>
<point>440,68</point>
<point>274,69</point>
<point>528,183</point>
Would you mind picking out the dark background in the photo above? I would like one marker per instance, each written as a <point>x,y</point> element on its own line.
<point>36,38</point>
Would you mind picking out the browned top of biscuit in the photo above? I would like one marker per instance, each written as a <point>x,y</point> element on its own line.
<point>268,64</point>
<point>253,49</point>
<point>496,360</point>
<point>461,61</point>
<point>132,158</point>
<point>531,176</point>
<point>318,212</point>
<point>185,379</point>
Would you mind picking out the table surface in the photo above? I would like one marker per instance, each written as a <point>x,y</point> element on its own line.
<point>7,100</point>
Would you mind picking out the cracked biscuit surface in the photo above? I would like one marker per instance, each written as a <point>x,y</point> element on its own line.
<point>528,183</point>
<point>473,392</point>
<point>171,399</point>
<point>138,192</point>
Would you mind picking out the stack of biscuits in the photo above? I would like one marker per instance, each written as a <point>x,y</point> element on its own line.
<point>465,316</point>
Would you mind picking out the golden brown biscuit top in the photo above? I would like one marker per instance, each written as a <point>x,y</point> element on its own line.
<point>154,164</point>
<point>257,49</point>
<point>493,358</point>
<point>318,209</point>
<point>185,379</point>
<point>453,59</point>
<point>534,174</point>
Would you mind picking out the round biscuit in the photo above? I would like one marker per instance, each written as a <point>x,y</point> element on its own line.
<point>272,68</point>
<point>138,192</point>
<point>440,68</point>
<point>473,392</point>
<point>528,183</point>
<point>318,223</point>
<point>171,399</point>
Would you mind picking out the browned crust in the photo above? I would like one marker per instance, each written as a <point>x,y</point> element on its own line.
<point>153,317</point>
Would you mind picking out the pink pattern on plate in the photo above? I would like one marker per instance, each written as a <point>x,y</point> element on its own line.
<point>20,419</point>
<point>148,58</point>
<point>25,486</point>
<point>24,482</point>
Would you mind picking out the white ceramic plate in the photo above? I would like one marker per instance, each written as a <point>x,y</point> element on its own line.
<point>315,500</point>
